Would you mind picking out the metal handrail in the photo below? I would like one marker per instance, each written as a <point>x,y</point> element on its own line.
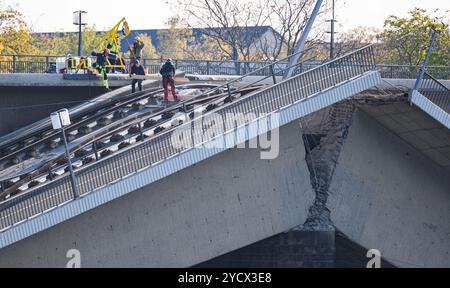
<point>431,77</point>
<point>382,65</point>
<point>228,84</point>
<point>147,59</point>
<point>279,61</point>
<point>216,67</point>
<point>435,91</point>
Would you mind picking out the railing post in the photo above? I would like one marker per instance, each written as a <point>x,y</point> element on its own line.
<point>47,66</point>
<point>94,147</point>
<point>237,67</point>
<point>14,64</point>
<point>50,174</point>
<point>272,72</point>
<point>73,178</point>
<point>186,116</point>
<point>208,67</point>
<point>229,91</point>
<point>372,57</point>
<point>141,133</point>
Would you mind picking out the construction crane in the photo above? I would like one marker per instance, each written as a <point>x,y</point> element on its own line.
<point>111,40</point>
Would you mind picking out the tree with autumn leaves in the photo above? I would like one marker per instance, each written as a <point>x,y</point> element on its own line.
<point>405,39</point>
<point>15,36</point>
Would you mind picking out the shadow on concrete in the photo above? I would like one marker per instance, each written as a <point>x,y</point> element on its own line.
<point>297,249</point>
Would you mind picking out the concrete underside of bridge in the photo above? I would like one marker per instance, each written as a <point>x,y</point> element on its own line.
<point>387,195</point>
<point>357,172</point>
<point>22,106</point>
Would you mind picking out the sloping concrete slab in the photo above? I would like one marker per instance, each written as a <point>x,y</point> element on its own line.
<point>386,195</point>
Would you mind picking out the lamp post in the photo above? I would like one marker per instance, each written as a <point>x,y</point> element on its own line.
<point>425,61</point>
<point>59,120</point>
<point>301,42</point>
<point>332,31</point>
<point>79,18</point>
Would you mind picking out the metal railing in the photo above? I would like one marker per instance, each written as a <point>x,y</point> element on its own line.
<point>228,67</point>
<point>10,64</point>
<point>155,150</point>
<point>47,64</point>
<point>435,91</point>
<point>411,72</point>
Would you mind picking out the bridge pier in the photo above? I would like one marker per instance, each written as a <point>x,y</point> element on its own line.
<point>292,249</point>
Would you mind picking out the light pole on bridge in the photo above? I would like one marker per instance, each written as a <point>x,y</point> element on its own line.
<point>79,18</point>
<point>332,30</point>
<point>60,120</point>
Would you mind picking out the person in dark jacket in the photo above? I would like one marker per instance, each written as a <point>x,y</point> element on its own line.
<point>168,72</point>
<point>136,52</point>
<point>100,65</point>
<point>113,58</point>
<point>137,69</point>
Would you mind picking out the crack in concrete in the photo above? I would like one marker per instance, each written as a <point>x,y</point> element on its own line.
<point>324,143</point>
<point>322,159</point>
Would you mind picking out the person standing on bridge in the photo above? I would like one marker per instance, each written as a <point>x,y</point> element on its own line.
<point>137,70</point>
<point>100,65</point>
<point>136,52</point>
<point>168,72</point>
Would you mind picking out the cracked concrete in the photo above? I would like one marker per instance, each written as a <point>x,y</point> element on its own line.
<point>322,159</point>
<point>364,176</point>
<point>324,141</point>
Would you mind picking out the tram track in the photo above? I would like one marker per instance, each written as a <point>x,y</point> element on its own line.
<point>102,132</point>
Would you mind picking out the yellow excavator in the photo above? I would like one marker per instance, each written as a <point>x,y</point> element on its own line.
<point>112,41</point>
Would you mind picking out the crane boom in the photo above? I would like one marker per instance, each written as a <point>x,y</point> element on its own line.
<point>112,38</point>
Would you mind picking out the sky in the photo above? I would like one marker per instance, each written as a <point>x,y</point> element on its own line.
<point>56,15</point>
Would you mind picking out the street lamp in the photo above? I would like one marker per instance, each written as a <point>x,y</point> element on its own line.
<point>331,30</point>
<point>425,63</point>
<point>79,18</point>
<point>59,120</point>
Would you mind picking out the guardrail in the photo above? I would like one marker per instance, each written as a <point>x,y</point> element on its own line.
<point>157,149</point>
<point>411,72</point>
<point>10,64</point>
<point>206,67</point>
<point>435,91</point>
<point>47,64</point>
